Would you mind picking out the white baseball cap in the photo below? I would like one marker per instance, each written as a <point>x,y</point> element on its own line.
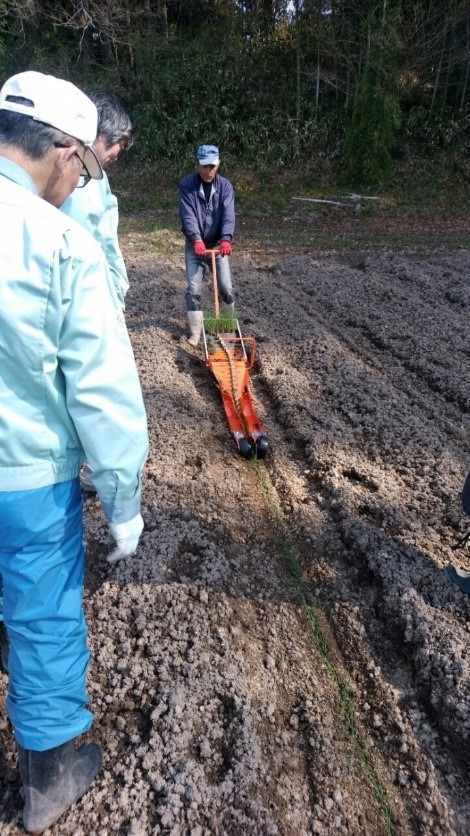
<point>57,103</point>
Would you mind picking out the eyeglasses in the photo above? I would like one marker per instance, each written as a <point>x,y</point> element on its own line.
<point>85,175</point>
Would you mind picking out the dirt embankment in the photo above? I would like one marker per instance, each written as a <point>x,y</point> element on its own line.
<point>217,712</point>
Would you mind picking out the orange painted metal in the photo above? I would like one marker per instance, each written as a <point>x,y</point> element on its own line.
<point>230,358</point>
<point>213,254</point>
<point>230,367</point>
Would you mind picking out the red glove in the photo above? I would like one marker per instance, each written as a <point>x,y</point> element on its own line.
<point>225,248</point>
<point>199,248</point>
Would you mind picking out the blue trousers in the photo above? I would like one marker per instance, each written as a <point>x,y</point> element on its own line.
<point>196,267</point>
<point>42,567</point>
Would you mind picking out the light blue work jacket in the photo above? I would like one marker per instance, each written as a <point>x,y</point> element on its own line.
<point>96,208</point>
<point>69,387</point>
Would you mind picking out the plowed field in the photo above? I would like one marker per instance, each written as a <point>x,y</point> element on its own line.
<point>284,654</point>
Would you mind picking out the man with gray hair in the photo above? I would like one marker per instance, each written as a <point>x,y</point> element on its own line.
<point>96,207</point>
<point>68,388</point>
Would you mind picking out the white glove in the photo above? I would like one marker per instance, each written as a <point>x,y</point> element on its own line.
<point>126,536</point>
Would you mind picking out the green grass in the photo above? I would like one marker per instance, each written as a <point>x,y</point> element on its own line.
<point>425,204</point>
<point>440,184</point>
<point>150,237</point>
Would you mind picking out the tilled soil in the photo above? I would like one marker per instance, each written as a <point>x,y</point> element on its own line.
<point>232,695</point>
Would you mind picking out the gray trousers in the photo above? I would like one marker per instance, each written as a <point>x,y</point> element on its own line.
<point>196,267</point>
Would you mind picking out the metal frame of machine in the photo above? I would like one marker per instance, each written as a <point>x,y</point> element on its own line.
<point>230,357</point>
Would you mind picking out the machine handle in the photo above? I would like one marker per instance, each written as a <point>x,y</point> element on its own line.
<point>213,254</point>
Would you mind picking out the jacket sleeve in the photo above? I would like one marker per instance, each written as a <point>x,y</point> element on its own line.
<point>96,209</point>
<point>107,236</point>
<point>228,213</point>
<point>103,393</point>
<point>188,210</point>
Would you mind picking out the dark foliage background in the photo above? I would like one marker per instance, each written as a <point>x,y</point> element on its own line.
<point>347,86</point>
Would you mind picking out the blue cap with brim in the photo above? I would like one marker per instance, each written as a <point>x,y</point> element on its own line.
<point>208,155</point>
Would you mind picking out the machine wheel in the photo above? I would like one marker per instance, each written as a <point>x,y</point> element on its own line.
<point>245,448</point>
<point>262,446</point>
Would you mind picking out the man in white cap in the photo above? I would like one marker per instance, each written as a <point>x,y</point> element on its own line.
<point>68,388</point>
<point>207,212</point>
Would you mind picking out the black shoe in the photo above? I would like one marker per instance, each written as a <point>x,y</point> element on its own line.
<point>53,780</point>
<point>460,578</point>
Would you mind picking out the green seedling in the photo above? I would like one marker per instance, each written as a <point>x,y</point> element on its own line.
<point>225,323</point>
<point>345,692</point>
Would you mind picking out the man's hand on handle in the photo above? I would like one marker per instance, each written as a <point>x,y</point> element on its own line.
<point>199,248</point>
<point>225,248</point>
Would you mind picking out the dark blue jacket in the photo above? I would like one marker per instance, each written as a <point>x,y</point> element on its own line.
<point>212,220</point>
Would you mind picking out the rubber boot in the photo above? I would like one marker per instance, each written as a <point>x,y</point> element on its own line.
<point>4,647</point>
<point>53,780</point>
<point>195,326</point>
<point>227,306</point>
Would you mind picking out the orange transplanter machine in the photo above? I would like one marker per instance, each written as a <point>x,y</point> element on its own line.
<point>230,358</point>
